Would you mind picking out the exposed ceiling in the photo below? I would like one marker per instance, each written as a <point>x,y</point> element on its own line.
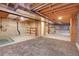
<point>21,9</point>
<point>52,11</point>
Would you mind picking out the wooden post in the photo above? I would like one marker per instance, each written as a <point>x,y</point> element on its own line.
<point>42,26</point>
<point>36,28</point>
<point>1,24</point>
<point>48,29</point>
<point>73,28</point>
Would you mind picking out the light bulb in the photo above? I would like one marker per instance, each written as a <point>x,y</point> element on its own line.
<point>59,18</point>
<point>22,19</point>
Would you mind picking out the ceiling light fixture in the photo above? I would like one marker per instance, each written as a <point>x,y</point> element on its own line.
<point>59,18</point>
<point>22,19</point>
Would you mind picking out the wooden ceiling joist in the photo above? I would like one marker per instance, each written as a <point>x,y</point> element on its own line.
<point>63,10</point>
<point>41,6</point>
<point>44,8</point>
<point>60,8</point>
<point>34,6</point>
<point>51,7</point>
<point>56,10</point>
<point>51,11</point>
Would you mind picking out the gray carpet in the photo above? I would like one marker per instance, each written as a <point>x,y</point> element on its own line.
<point>40,47</point>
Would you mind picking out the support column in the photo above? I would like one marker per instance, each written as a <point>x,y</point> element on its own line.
<point>48,29</point>
<point>36,27</point>
<point>77,43</point>
<point>73,28</point>
<point>42,26</point>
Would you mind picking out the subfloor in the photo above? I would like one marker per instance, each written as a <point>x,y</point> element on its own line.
<point>40,47</point>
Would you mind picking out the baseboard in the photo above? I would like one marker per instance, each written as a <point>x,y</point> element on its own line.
<point>77,46</point>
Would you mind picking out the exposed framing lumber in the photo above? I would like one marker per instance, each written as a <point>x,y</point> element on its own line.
<point>61,8</point>
<point>40,7</point>
<point>53,6</point>
<point>46,7</point>
<point>17,14</point>
<point>64,11</point>
<point>73,27</point>
<point>44,16</point>
<point>36,6</point>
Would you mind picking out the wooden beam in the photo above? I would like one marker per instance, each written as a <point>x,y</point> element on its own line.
<point>1,26</point>
<point>48,28</point>
<point>36,27</point>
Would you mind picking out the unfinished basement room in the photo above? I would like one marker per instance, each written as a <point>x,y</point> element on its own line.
<point>39,29</point>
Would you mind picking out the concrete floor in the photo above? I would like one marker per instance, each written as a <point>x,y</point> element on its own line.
<point>59,36</point>
<point>40,47</point>
<point>16,39</point>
